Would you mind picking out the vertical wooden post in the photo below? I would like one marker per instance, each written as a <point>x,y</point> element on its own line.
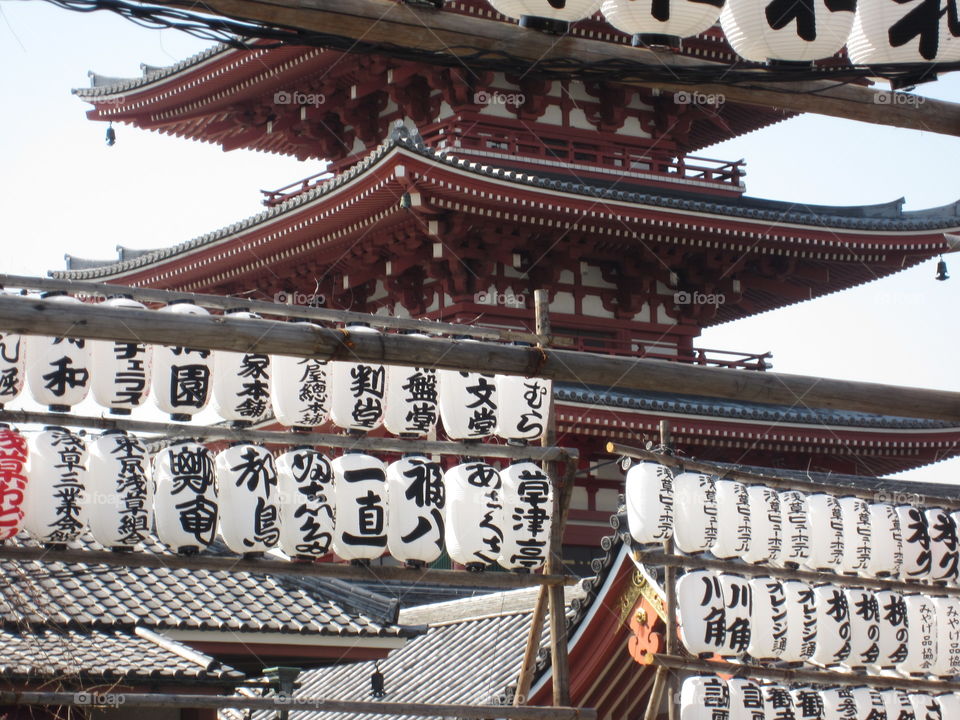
<point>656,694</point>
<point>670,590</point>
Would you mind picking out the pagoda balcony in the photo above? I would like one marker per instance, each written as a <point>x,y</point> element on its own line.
<point>694,356</point>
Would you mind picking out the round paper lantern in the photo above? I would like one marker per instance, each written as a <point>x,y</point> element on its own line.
<point>948,637</point>
<point>826,533</point>
<point>839,704</point>
<point>796,529</point>
<point>949,705</point>
<point>734,531</point>
<point>922,636</point>
<point>241,382</point>
<point>360,490</point>
<point>649,502</point>
<point>59,369</point>
<point>894,632</point>
<point>13,480</point>
<point>181,376</point>
<point>121,380</point>
<point>661,21</point>
<point>769,619</point>
<point>563,10</point>
<point>887,557</point>
<point>944,550</point>
<point>412,397</point>
<point>54,504</point>
<point>12,353</point>
<point>701,615</point>
<point>473,528</point>
<point>524,406</point>
<point>300,390</point>
<point>869,703</point>
<point>305,485</point>
<point>767,523</point>
<point>807,704</point>
<point>695,512</point>
<point>864,613</point>
<point>738,609</point>
<point>781,30</point>
<point>746,700</point>
<point>924,706</point>
<point>701,695</point>
<point>185,504</point>
<point>358,390</point>
<point>119,490</point>
<point>915,31</point>
<point>916,542</point>
<point>857,536</point>
<point>801,607</point>
<point>468,404</point>
<point>898,705</point>
<point>416,499</point>
<point>527,496</point>
<point>248,496</point>
<point>833,626</point>
<point>778,702</point>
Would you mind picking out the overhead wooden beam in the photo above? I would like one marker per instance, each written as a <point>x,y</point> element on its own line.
<point>26,316</point>
<point>454,35</point>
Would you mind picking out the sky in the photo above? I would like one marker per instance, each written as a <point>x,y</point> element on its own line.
<point>62,190</point>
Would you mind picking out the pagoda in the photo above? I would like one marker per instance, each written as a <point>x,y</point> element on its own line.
<point>453,195</point>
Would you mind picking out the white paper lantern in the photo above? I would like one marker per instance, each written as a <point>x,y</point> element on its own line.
<point>670,18</point>
<point>916,542</point>
<point>649,502</point>
<point>241,382</point>
<point>12,354</point>
<point>839,704</point>
<point>701,614</point>
<point>248,496</point>
<point>801,606</point>
<point>181,382</point>
<point>185,504</point>
<point>121,379</point>
<point>948,637</point>
<point>922,637</point>
<point>864,613</point>
<point>695,512</point>
<point>734,531</point>
<point>738,610</point>
<point>524,406</point>
<point>894,632</point>
<point>769,619</point>
<point>300,390</point>
<point>796,529</point>
<point>305,485</point>
<point>925,707</point>
<point>416,499</point>
<point>701,695</point>
<point>833,626</point>
<point>59,371</point>
<point>473,528</point>
<point>746,700</point>
<point>767,523</point>
<point>564,10</point>
<point>14,452</point>
<point>358,389</point>
<point>949,705</point>
<point>527,497</point>
<point>54,505</point>
<point>360,489</point>
<point>826,533</point>
<point>807,704</point>
<point>799,32</point>
<point>869,703</point>
<point>857,535</point>
<point>887,557</point>
<point>778,702</point>
<point>119,490</point>
<point>468,404</point>
<point>412,398</point>
<point>898,706</point>
<point>915,31</point>
<point>944,550</point>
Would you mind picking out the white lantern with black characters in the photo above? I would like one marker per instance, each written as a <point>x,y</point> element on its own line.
<point>887,557</point>
<point>864,611</point>
<point>532,13</point>
<point>869,702</point>
<point>801,606</point>
<point>701,614</point>
<point>839,704</point>
<point>358,390</point>
<point>734,530</point>
<point>948,636</point>
<point>247,492</point>
<point>416,499</point>
<point>14,452</point>
<point>360,489</point>
<point>894,633</point>
<point>857,535</point>
<point>12,354</point>
<point>913,31</point>
<point>925,707</point>
<point>921,656</point>
<point>807,704</point>
<point>759,30</point>
<point>527,496</point>
<point>412,399</point>
<point>661,21</point>
<point>915,531</point>
<point>185,505</point>
<point>778,702</point>
<point>833,626</point>
<point>796,529</point>
<point>181,382</point>
<point>898,706</point>
<point>944,546</point>
<point>55,504</point>
<point>305,487</point>
<point>746,700</point>
<point>826,533</point>
<point>949,705</point>
<point>120,490</point>
<point>767,523</point>
<point>695,512</point>
<point>769,620</point>
<point>468,404</point>
<point>524,406</point>
<point>59,371</point>
<point>649,502</point>
<point>241,381</point>
<point>703,698</point>
<point>738,611</point>
<point>121,381</point>
<point>474,518</point>
<point>300,390</point>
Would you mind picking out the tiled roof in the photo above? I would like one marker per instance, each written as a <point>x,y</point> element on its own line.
<point>884,217</point>
<point>105,655</point>
<point>101,85</point>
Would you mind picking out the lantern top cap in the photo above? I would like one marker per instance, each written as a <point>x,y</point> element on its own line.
<point>54,428</point>
<point>113,431</point>
<point>119,296</point>
<point>181,301</point>
<point>52,293</point>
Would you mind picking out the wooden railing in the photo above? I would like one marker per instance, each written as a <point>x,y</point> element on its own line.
<point>698,356</point>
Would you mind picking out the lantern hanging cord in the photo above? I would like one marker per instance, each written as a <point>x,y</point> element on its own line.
<point>243,34</point>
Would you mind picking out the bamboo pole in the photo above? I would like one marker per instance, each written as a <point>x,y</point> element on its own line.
<point>240,702</point>
<point>274,437</point>
<point>267,566</point>
<point>670,591</point>
<point>656,694</point>
<point>39,317</point>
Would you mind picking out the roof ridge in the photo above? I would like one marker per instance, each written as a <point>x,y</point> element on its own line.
<point>187,653</point>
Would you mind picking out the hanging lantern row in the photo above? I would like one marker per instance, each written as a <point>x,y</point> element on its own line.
<point>711,697</point>
<point>245,387</point>
<point>826,625</point>
<point>816,531</point>
<point>874,31</point>
<point>355,506</point>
